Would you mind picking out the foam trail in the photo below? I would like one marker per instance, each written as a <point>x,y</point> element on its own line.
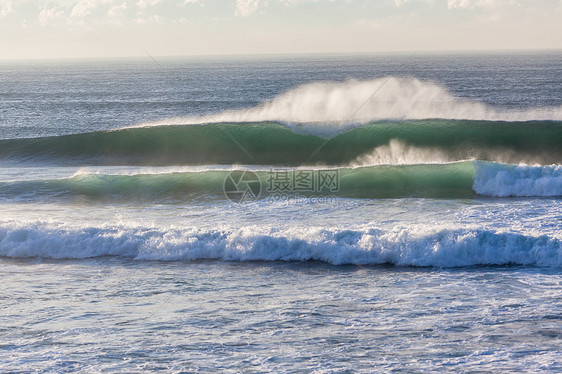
<point>502,180</point>
<point>338,104</point>
<point>399,246</point>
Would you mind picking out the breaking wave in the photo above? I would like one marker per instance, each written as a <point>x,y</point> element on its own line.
<point>399,246</point>
<point>450,180</point>
<point>339,104</point>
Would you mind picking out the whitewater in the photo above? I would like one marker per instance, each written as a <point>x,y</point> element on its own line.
<point>370,213</point>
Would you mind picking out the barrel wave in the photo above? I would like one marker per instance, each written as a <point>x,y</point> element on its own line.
<point>269,143</point>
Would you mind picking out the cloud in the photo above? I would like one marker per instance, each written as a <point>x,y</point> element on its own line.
<point>48,16</point>
<point>116,10</point>
<point>6,9</point>
<point>174,27</point>
<point>84,8</point>
<point>402,2</point>
<point>148,20</point>
<point>146,3</point>
<point>473,4</point>
<point>246,7</point>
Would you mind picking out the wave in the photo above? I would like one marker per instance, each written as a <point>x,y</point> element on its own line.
<point>336,105</point>
<point>399,246</point>
<point>276,144</point>
<point>517,180</point>
<point>454,180</point>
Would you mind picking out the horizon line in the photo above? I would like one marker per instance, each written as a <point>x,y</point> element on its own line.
<point>147,54</point>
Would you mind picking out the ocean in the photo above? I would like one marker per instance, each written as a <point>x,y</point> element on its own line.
<point>313,213</point>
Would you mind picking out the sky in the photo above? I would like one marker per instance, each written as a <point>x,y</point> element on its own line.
<point>120,28</point>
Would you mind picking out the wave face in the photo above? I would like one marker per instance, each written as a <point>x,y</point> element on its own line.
<point>455,180</point>
<point>276,144</point>
<point>445,248</point>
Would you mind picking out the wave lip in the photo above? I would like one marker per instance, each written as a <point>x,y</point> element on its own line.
<point>445,248</point>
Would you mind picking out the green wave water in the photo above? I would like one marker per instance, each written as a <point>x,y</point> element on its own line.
<point>268,143</point>
<point>447,180</point>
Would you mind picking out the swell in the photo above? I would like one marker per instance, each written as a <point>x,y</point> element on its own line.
<point>270,143</point>
<point>398,246</point>
<point>455,180</point>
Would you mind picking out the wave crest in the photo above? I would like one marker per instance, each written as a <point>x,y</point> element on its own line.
<point>339,104</point>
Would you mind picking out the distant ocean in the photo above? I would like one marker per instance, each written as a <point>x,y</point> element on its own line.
<point>282,214</point>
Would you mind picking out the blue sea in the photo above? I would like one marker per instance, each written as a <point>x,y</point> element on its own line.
<point>315,213</point>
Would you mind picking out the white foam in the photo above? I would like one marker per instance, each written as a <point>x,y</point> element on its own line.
<point>336,105</point>
<point>400,153</point>
<point>399,246</point>
<point>501,180</point>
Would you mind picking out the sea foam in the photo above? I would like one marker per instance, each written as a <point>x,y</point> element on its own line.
<point>338,105</point>
<point>370,246</point>
<point>501,180</point>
